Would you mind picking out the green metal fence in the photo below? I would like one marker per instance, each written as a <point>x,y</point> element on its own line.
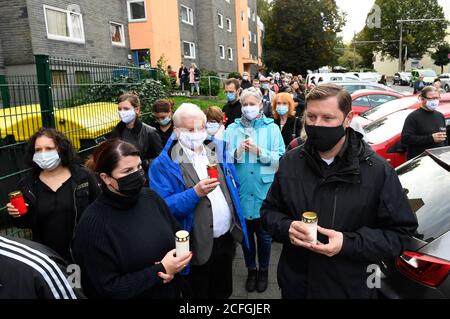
<point>76,97</point>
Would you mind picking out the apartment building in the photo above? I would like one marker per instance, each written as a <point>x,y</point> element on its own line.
<point>79,29</point>
<point>209,33</point>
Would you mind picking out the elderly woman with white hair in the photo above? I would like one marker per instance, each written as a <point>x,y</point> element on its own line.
<point>206,205</point>
<point>256,144</point>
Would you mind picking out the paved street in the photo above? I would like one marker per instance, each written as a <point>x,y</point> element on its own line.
<point>240,276</point>
<point>401,88</point>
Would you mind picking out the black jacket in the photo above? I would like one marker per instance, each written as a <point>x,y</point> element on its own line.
<point>184,75</point>
<point>145,137</point>
<point>232,111</point>
<point>362,197</point>
<point>85,190</point>
<point>33,271</point>
<point>119,244</point>
<point>246,84</point>
<point>291,129</point>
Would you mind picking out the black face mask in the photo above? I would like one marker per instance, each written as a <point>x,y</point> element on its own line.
<point>131,184</point>
<point>324,138</point>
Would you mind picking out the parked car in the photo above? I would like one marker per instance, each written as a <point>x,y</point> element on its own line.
<point>367,76</point>
<point>364,100</point>
<point>422,271</point>
<point>428,76</point>
<point>382,110</point>
<point>330,77</point>
<point>351,87</point>
<point>445,80</point>
<point>384,135</point>
<point>402,78</point>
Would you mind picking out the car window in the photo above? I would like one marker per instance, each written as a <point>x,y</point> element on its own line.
<point>335,78</point>
<point>426,184</point>
<point>428,73</point>
<point>373,87</point>
<point>386,128</point>
<point>361,101</point>
<point>378,99</point>
<point>350,88</point>
<point>389,107</point>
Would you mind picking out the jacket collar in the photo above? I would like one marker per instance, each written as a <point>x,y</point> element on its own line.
<point>356,151</point>
<point>135,130</point>
<point>256,123</point>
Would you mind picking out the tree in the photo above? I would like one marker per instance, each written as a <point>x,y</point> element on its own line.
<point>440,57</point>
<point>418,37</point>
<point>365,50</point>
<point>263,8</point>
<point>349,59</point>
<point>301,35</point>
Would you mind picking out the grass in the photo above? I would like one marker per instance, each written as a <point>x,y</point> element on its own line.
<point>203,104</point>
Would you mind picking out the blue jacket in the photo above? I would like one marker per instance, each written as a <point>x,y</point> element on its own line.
<point>256,174</point>
<point>167,180</point>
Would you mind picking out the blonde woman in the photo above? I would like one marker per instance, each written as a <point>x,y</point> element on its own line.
<point>194,78</point>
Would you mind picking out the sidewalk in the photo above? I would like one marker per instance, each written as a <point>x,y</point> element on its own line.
<point>240,276</point>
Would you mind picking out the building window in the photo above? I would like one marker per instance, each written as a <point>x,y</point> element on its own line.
<point>243,43</point>
<point>117,34</point>
<point>220,17</point>
<point>59,77</point>
<point>187,15</point>
<point>242,16</point>
<point>189,50</point>
<point>222,51</point>
<point>254,38</point>
<point>63,25</point>
<point>229,25</point>
<point>227,1</point>
<point>249,36</point>
<point>249,12</point>
<point>253,17</point>
<point>141,58</point>
<point>137,10</point>
<point>230,54</point>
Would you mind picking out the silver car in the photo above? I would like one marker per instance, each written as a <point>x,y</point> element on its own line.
<point>422,271</point>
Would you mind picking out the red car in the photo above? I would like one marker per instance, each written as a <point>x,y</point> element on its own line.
<point>385,109</point>
<point>384,135</point>
<point>364,100</point>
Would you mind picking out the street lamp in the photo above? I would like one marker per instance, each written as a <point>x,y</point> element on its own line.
<point>400,60</point>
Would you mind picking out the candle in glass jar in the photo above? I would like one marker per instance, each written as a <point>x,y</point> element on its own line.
<point>182,243</point>
<point>212,171</point>
<point>17,200</point>
<point>310,220</point>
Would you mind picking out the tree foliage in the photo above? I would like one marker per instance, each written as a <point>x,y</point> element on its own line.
<point>440,57</point>
<point>301,35</point>
<point>418,37</point>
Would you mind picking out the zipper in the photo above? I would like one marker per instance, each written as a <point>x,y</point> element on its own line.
<point>75,223</point>
<point>334,207</point>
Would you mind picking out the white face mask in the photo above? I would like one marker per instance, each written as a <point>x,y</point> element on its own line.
<point>47,160</point>
<point>250,112</point>
<point>212,128</point>
<point>127,116</point>
<point>432,104</point>
<point>192,140</point>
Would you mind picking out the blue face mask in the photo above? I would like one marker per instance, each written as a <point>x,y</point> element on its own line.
<point>266,86</point>
<point>231,97</point>
<point>165,121</point>
<point>282,109</point>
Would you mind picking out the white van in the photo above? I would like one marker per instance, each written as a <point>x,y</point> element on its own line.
<point>331,77</point>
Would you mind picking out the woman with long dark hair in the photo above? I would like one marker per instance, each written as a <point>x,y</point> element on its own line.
<point>125,241</point>
<point>57,191</point>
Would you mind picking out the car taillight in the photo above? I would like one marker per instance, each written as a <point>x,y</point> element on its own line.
<point>425,269</point>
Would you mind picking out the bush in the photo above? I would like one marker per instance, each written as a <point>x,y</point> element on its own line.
<point>233,75</point>
<point>210,77</point>
<point>148,91</point>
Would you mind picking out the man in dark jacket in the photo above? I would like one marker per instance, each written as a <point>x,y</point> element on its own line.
<point>425,127</point>
<point>183,74</point>
<point>233,108</point>
<point>33,271</point>
<point>363,214</point>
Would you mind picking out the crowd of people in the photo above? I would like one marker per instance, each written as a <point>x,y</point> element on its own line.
<point>117,215</point>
